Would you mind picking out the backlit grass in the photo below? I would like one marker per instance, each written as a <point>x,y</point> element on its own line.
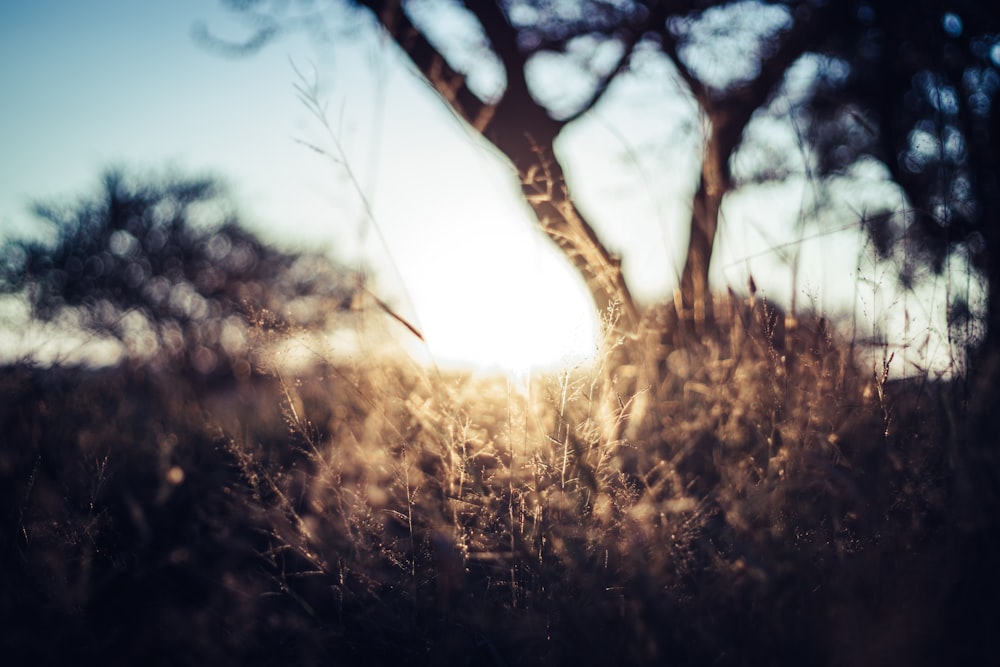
<point>752,496</point>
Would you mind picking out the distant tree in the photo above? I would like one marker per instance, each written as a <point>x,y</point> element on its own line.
<point>164,266</point>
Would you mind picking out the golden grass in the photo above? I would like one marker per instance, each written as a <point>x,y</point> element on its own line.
<point>755,456</point>
<point>753,496</point>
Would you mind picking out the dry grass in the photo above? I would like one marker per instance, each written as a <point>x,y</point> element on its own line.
<point>753,497</point>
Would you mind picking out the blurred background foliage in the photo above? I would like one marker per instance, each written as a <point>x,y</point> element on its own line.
<point>163,265</point>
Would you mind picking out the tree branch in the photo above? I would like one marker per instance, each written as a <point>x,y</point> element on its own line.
<point>669,45</point>
<point>448,82</point>
<point>503,38</point>
<point>804,33</point>
<point>524,131</point>
<point>629,46</point>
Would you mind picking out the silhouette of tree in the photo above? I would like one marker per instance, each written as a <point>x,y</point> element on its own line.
<point>910,84</point>
<point>914,85</point>
<point>164,266</point>
<point>516,33</point>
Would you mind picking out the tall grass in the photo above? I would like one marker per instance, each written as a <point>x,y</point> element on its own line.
<point>753,497</point>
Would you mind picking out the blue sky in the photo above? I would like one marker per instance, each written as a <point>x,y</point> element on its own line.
<point>90,84</point>
<point>106,82</point>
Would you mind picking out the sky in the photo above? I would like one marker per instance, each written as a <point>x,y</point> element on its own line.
<point>106,82</point>
<point>452,247</point>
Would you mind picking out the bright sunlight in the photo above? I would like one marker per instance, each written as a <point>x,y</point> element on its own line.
<point>500,304</point>
<point>481,283</point>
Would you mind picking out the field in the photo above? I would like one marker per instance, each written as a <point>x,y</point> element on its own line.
<point>757,496</point>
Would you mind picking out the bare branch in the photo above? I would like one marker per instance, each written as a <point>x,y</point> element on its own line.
<point>503,38</point>
<point>525,132</point>
<point>791,45</point>
<point>631,42</point>
<point>448,82</point>
<point>669,45</point>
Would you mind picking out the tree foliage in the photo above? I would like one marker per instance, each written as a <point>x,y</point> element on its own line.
<point>164,266</point>
<point>910,85</point>
<point>914,87</point>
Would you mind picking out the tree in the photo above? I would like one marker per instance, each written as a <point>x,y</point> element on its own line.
<point>514,33</point>
<point>163,266</point>
<point>914,86</point>
<point>882,45</point>
<point>525,131</point>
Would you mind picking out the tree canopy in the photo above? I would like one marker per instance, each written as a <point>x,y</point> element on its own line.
<point>163,265</point>
<point>911,86</point>
<point>914,87</point>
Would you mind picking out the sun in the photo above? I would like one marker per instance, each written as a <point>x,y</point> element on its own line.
<point>536,318</point>
<point>457,252</point>
<point>506,303</point>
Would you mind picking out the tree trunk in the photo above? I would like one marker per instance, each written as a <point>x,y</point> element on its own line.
<point>526,135</point>
<point>522,130</point>
<point>695,304</point>
<point>727,114</point>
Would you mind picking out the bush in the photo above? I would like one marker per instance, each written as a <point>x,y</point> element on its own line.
<point>164,266</point>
